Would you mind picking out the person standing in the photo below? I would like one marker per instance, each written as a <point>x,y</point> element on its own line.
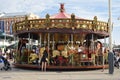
<point>80,50</point>
<point>104,59</point>
<point>44,59</point>
<point>99,54</point>
<point>117,63</point>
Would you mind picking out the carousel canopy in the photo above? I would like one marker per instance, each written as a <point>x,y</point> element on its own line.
<point>61,23</point>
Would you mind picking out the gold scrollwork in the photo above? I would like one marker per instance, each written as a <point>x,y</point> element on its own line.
<point>73,20</point>
<point>67,25</point>
<point>102,28</point>
<point>78,26</point>
<point>60,25</point>
<point>90,26</point>
<point>84,26</point>
<point>47,21</point>
<point>95,23</point>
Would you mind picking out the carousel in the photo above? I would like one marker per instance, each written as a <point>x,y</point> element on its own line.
<point>72,42</point>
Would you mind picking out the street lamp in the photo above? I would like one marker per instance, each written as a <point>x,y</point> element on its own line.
<point>110,54</point>
<point>110,26</point>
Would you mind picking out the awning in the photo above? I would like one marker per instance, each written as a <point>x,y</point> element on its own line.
<point>6,36</point>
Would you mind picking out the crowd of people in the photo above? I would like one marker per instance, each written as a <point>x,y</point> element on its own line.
<point>116,59</point>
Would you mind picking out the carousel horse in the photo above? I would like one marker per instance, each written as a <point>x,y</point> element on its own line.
<point>33,58</point>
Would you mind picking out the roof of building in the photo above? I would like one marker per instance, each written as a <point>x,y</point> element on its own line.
<point>17,14</point>
<point>14,14</point>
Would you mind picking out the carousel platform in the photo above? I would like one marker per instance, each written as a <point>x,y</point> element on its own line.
<point>60,68</point>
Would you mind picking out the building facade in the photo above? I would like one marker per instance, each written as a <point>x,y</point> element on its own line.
<point>7,19</point>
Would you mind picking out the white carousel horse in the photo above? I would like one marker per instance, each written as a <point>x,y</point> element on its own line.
<point>55,53</point>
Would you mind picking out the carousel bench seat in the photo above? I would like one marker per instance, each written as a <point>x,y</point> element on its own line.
<point>88,61</point>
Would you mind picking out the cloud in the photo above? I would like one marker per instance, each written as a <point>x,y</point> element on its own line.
<point>34,6</point>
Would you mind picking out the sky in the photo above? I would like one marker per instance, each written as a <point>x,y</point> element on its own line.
<point>82,8</point>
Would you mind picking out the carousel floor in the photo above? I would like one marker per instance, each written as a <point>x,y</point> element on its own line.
<point>65,68</point>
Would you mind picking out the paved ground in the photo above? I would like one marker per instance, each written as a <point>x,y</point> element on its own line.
<point>22,74</point>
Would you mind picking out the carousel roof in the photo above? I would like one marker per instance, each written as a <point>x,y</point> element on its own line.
<point>62,13</point>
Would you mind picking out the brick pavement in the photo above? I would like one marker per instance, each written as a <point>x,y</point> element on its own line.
<point>20,74</point>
